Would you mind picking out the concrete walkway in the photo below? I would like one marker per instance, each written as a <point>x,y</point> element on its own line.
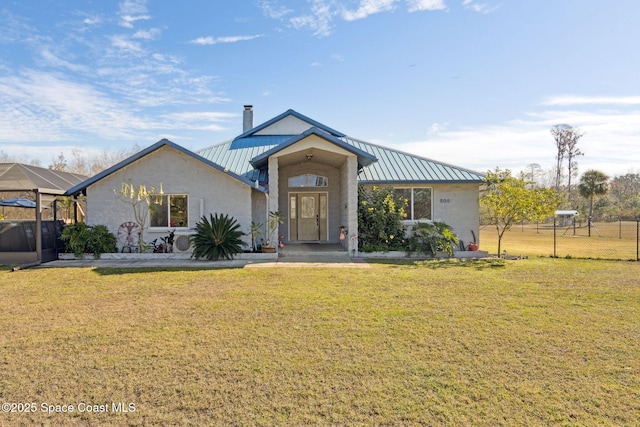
<point>317,260</point>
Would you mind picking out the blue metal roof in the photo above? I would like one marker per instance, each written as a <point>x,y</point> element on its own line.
<point>259,141</point>
<point>398,167</point>
<point>391,167</point>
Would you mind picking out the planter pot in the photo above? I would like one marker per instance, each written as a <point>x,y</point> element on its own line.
<point>268,249</point>
<point>473,247</point>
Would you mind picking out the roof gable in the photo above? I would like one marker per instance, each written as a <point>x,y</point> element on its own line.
<point>288,123</point>
<point>162,143</point>
<point>364,158</point>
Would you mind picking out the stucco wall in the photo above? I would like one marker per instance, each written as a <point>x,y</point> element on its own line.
<point>458,206</point>
<point>454,204</point>
<point>289,125</point>
<point>208,189</point>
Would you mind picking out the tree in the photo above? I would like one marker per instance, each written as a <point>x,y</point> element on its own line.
<point>593,183</point>
<point>59,163</point>
<point>508,200</point>
<point>380,218</point>
<point>143,202</point>
<point>534,171</point>
<point>624,195</point>
<point>566,139</point>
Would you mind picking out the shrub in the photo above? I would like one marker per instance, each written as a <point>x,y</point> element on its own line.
<point>217,238</point>
<point>380,218</point>
<point>428,238</point>
<point>81,238</point>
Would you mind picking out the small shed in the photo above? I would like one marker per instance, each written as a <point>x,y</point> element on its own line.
<point>566,217</point>
<point>30,238</point>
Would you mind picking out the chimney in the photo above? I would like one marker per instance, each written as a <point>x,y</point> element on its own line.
<point>247,118</point>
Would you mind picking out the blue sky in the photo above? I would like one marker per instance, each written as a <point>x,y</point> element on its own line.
<point>475,83</point>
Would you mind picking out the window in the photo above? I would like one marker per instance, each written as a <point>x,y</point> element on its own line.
<point>418,202</point>
<point>308,181</point>
<point>170,211</point>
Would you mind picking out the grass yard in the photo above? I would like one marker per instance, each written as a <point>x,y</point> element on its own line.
<point>490,342</point>
<point>613,240</point>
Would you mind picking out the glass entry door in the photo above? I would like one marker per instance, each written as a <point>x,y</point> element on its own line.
<point>308,216</point>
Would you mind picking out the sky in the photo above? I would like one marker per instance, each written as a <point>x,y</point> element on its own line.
<point>474,83</point>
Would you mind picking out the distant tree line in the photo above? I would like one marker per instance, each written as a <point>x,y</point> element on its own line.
<point>78,161</point>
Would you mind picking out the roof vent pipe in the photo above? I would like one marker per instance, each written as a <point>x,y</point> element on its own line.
<point>247,118</point>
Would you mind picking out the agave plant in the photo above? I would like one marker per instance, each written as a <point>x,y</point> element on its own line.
<point>217,238</point>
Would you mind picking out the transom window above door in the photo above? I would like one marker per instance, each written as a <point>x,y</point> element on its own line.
<point>308,180</point>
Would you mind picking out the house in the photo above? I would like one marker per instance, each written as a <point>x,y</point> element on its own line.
<point>292,164</point>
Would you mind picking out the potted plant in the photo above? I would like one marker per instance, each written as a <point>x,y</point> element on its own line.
<point>473,246</point>
<point>276,218</point>
<point>254,230</point>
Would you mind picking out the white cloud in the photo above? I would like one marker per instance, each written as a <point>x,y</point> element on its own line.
<point>54,61</point>
<point>132,11</point>
<point>44,107</point>
<point>319,21</point>
<point>610,141</point>
<point>567,100</point>
<point>122,42</point>
<point>92,20</point>
<point>368,7</point>
<point>479,7</point>
<point>420,5</point>
<point>319,18</point>
<point>228,39</point>
<point>273,10</point>
<point>151,34</point>
<point>207,121</point>
<point>45,114</point>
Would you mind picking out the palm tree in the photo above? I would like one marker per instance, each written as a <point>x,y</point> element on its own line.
<point>593,183</point>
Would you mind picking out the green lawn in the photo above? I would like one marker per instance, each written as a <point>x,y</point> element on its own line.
<point>531,342</point>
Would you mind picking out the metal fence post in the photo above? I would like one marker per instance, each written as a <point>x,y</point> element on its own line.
<point>638,239</point>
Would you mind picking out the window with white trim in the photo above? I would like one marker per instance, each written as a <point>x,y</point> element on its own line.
<point>419,204</point>
<point>169,210</point>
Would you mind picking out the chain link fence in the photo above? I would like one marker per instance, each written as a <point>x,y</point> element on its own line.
<point>619,240</point>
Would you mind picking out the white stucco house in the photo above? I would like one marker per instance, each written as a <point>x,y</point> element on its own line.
<point>292,164</point>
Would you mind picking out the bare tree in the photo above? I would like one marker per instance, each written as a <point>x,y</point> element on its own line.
<point>566,138</point>
<point>573,151</point>
<point>59,163</point>
<point>533,173</point>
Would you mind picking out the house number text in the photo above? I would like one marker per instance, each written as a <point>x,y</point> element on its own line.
<point>445,200</point>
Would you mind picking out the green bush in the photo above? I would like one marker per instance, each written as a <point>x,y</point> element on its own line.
<point>428,238</point>
<point>80,238</point>
<point>217,238</point>
<point>380,218</point>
